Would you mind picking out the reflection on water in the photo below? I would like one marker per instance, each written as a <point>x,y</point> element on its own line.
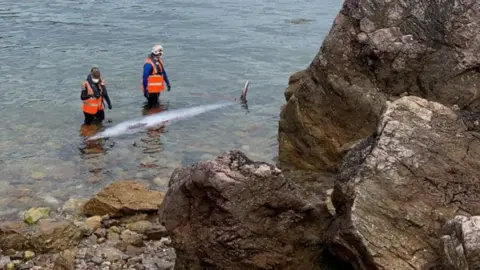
<point>91,146</point>
<point>152,143</point>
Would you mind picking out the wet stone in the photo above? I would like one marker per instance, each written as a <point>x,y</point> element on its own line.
<point>33,215</point>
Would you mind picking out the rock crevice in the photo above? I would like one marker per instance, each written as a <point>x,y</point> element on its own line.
<point>396,189</point>
<point>376,51</point>
<point>234,213</point>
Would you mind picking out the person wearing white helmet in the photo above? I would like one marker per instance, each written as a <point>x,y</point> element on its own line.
<point>154,76</point>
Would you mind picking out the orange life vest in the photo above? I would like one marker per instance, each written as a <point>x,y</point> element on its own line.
<point>93,105</point>
<point>156,82</point>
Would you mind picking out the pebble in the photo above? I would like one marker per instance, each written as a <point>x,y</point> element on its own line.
<point>132,238</point>
<point>94,223</point>
<point>114,229</point>
<point>140,226</point>
<point>27,255</point>
<point>135,260</point>
<point>114,237</point>
<point>4,260</point>
<point>101,232</point>
<point>22,266</point>
<point>118,247</point>
<point>10,266</point>
<point>97,259</point>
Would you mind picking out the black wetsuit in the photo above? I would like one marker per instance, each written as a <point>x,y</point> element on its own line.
<point>100,115</point>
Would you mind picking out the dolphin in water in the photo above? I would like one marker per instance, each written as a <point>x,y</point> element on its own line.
<point>133,126</point>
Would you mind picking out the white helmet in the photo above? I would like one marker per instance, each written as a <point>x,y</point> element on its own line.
<point>157,49</point>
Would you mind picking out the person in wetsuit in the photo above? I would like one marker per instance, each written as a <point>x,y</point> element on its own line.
<point>154,76</point>
<point>93,94</point>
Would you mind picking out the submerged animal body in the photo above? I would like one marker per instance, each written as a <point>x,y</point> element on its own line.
<point>133,126</point>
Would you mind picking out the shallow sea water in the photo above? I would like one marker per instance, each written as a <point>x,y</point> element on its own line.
<point>211,49</point>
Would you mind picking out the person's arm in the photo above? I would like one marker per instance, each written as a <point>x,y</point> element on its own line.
<point>83,93</point>
<point>106,97</point>
<point>165,77</point>
<point>147,70</point>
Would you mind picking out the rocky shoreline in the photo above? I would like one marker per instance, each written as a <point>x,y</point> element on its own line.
<point>116,229</point>
<point>389,106</point>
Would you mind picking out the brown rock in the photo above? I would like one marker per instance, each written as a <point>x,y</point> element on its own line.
<point>113,236</point>
<point>156,232</point>
<point>13,235</point>
<point>94,223</point>
<point>139,226</point>
<point>55,236</point>
<point>101,232</point>
<point>396,189</point>
<point>131,238</point>
<point>233,213</point>
<point>378,50</point>
<point>134,250</point>
<point>123,197</point>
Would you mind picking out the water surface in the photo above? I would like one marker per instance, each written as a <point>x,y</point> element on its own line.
<point>48,47</point>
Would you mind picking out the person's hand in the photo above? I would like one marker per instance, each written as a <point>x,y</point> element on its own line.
<point>168,88</point>
<point>109,106</point>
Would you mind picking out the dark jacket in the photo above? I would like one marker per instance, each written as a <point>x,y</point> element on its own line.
<point>95,88</point>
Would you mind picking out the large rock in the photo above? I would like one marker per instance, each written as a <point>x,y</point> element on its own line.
<point>124,198</point>
<point>396,189</point>
<point>13,235</point>
<point>233,213</point>
<point>56,235</point>
<point>378,50</point>
<point>45,236</point>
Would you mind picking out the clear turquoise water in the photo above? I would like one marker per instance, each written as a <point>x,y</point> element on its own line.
<point>48,47</point>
